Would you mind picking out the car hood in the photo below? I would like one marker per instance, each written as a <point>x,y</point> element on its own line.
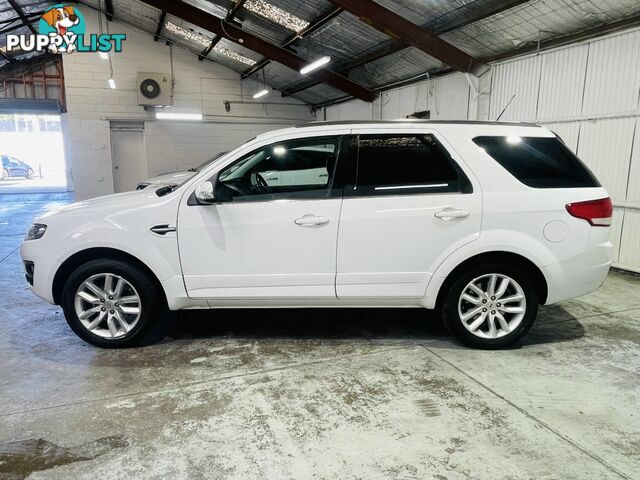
<point>119,202</point>
<point>170,178</point>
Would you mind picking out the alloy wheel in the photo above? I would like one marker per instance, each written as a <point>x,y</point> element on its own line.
<point>107,305</point>
<point>492,305</point>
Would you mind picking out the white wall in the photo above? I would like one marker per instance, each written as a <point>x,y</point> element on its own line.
<point>199,86</point>
<point>589,93</point>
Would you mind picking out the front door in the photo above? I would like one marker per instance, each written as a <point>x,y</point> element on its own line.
<point>15,168</point>
<point>409,204</point>
<point>272,231</point>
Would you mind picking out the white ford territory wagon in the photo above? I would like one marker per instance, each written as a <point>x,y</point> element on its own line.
<point>481,221</point>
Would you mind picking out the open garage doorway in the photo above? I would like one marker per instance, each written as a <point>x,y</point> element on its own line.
<point>32,153</point>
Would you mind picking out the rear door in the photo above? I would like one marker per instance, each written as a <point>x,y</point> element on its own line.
<point>409,203</point>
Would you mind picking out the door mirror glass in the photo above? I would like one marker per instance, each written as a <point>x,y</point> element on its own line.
<point>205,193</point>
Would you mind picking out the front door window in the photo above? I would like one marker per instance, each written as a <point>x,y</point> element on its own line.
<point>301,169</point>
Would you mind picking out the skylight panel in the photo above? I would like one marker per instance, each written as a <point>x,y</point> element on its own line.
<point>205,42</point>
<point>276,14</point>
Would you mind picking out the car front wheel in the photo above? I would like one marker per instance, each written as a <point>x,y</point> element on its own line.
<point>111,304</point>
<point>491,306</point>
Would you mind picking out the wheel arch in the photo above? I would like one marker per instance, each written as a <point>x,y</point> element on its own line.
<point>510,258</point>
<point>78,258</point>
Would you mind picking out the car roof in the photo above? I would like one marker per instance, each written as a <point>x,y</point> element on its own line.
<point>453,126</point>
<point>412,121</point>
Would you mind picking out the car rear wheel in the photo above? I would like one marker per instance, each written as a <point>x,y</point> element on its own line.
<point>491,306</point>
<point>111,304</point>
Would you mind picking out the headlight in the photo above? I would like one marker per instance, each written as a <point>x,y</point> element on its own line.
<point>36,231</point>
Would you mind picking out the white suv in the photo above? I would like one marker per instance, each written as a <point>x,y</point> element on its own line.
<point>482,221</point>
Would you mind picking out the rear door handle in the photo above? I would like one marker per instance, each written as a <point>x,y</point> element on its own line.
<point>310,220</point>
<point>450,213</point>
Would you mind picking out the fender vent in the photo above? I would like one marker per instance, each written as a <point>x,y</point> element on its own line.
<point>162,229</point>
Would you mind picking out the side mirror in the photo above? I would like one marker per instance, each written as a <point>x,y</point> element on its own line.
<point>205,193</point>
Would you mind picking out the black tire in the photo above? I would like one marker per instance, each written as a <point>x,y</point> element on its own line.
<point>152,302</point>
<point>454,323</point>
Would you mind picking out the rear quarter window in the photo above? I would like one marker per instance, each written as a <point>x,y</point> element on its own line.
<point>538,162</point>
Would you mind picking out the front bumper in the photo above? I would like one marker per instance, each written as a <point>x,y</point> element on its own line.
<point>29,269</point>
<point>44,266</point>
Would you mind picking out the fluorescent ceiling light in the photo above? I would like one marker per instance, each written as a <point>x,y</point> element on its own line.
<point>315,65</point>
<point>178,116</point>
<point>513,139</point>
<point>276,14</point>
<point>279,150</point>
<point>261,93</point>
<point>104,55</point>
<point>112,83</point>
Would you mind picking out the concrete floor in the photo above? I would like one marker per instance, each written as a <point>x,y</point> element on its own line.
<point>353,394</point>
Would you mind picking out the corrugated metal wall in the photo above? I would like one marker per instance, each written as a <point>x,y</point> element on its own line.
<point>447,98</point>
<point>587,93</point>
<point>590,95</point>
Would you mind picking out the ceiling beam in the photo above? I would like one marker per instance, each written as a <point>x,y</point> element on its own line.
<point>396,26</point>
<point>231,14</point>
<point>22,16</point>
<point>312,27</point>
<point>161,20</point>
<point>457,18</point>
<point>108,6</point>
<point>7,57</point>
<point>225,29</point>
<point>237,5</point>
<point>205,53</point>
<point>18,26</point>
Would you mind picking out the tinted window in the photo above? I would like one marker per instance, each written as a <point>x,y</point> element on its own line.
<point>403,164</point>
<point>539,162</point>
<point>291,169</point>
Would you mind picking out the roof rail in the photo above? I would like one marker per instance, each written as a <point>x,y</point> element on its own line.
<point>411,120</point>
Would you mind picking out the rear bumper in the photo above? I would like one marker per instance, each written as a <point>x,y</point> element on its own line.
<point>579,275</point>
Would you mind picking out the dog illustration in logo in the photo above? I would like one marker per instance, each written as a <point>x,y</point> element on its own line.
<point>62,19</point>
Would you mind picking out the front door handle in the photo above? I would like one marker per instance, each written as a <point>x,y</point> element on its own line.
<point>450,214</point>
<point>310,220</point>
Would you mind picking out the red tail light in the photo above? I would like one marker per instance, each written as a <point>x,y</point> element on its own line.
<point>597,212</point>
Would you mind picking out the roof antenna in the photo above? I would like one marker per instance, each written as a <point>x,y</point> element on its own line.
<point>505,108</point>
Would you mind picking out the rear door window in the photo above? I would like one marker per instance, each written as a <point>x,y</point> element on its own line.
<point>538,162</point>
<point>403,165</point>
